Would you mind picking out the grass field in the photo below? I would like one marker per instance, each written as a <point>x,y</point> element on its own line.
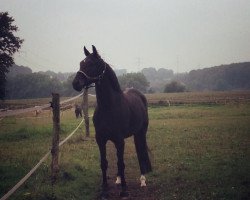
<point>201,152</point>
<point>198,151</point>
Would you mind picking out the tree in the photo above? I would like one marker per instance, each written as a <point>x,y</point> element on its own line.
<point>67,89</point>
<point>9,44</point>
<point>34,85</point>
<point>174,86</point>
<point>134,80</point>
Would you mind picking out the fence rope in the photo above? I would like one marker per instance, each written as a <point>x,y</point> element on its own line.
<point>20,111</point>
<point>92,95</point>
<point>11,191</point>
<point>72,133</point>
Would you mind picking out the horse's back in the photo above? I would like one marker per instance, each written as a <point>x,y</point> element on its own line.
<point>136,100</point>
<point>133,93</point>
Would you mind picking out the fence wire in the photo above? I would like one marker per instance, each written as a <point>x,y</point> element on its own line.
<point>21,111</point>
<point>11,191</point>
<point>16,112</point>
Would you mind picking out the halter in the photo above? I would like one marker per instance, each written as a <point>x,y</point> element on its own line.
<point>95,78</point>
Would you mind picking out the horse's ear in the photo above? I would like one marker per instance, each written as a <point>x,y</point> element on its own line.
<point>94,50</point>
<point>86,51</point>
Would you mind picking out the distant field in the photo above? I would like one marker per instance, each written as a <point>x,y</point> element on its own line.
<point>153,99</point>
<point>199,150</point>
<point>189,98</point>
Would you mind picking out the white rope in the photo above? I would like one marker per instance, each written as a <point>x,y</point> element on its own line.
<point>20,111</point>
<point>10,192</point>
<point>70,135</point>
<point>25,177</point>
<point>92,95</point>
<point>71,99</point>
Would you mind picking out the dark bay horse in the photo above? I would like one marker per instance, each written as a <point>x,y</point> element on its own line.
<point>118,115</point>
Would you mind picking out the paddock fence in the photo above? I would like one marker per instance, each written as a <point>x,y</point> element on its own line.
<point>21,111</point>
<point>55,104</point>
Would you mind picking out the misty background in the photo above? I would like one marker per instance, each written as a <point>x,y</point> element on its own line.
<point>177,35</point>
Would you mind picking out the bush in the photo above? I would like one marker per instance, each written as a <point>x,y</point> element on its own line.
<point>174,86</point>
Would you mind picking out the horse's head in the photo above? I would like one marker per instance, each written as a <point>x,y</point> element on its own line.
<point>92,69</point>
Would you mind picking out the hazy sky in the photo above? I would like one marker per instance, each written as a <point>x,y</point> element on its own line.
<point>175,34</point>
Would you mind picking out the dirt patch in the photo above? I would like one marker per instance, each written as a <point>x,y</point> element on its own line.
<point>136,192</point>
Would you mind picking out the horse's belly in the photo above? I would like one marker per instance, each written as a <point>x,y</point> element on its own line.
<point>111,127</point>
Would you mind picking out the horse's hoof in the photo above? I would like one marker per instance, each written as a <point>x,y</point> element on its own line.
<point>143,181</point>
<point>124,195</point>
<point>118,180</point>
<point>143,184</point>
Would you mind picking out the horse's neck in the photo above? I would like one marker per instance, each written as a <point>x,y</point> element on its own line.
<point>108,90</point>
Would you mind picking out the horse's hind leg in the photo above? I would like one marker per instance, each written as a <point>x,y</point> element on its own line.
<point>142,154</point>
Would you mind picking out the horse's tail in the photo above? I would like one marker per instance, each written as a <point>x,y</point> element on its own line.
<point>142,153</point>
<point>144,100</point>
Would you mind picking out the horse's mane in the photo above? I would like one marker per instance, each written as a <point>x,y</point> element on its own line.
<point>110,73</point>
<point>112,78</point>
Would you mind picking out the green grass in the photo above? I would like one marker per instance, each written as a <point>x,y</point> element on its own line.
<point>23,142</point>
<point>197,152</point>
<point>201,152</point>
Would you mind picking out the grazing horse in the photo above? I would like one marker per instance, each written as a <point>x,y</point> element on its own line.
<point>118,115</point>
<point>78,111</point>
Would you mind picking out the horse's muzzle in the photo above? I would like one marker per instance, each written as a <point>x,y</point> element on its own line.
<point>77,86</point>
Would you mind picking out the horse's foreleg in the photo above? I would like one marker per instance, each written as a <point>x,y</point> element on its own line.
<point>121,167</point>
<point>104,166</point>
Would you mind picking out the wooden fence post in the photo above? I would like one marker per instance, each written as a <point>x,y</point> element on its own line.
<point>55,140</point>
<point>85,108</point>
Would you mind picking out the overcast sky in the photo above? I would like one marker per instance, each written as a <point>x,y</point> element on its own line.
<point>175,34</point>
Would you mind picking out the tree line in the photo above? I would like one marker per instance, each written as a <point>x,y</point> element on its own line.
<point>22,83</point>
<point>37,85</point>
<point>235,76</point>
